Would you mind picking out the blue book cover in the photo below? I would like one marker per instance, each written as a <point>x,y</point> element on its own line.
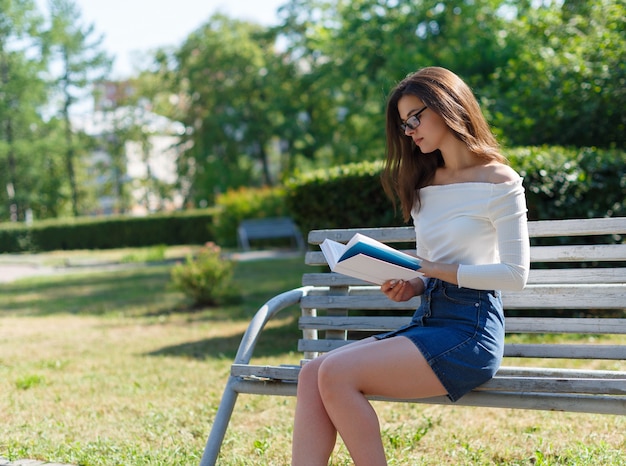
<point>361,244</point>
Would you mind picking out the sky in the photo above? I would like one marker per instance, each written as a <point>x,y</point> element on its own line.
<point>131,28</point>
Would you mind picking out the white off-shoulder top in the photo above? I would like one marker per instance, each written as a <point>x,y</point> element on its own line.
<point>482,227</point>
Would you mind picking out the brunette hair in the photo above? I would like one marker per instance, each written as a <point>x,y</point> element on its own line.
<point>407,169</point>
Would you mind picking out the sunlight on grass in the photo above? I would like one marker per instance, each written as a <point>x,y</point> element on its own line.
<point>114,369</point>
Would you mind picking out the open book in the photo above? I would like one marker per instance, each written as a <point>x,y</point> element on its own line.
<point>370,260</point>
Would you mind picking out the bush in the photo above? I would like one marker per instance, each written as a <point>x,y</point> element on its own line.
<point>207,278</point>
<point>572,182</point>
<point>345,196</point>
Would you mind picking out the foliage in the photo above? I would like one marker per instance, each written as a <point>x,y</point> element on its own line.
<point>205,278</point>
<point>341,197</point>
<point>22,92</point>
<point>245,203</point>
<point>323,96</point>
<point>567,84</point>
<point>261,103</point>
<point>190,227</point>
<point>151,254</point>
<point>235,94</point>
<point>82,63</point>
<point>572,183</point>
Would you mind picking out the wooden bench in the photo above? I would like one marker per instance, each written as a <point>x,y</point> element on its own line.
<point>572,289</point>
<point>268,228</point>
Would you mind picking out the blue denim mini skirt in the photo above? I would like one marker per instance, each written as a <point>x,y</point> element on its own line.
<point>460,332</point>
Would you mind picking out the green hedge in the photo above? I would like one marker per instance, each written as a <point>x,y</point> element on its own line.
<point>572,182</point>
<point>341,197</point>
<point>193,227</point>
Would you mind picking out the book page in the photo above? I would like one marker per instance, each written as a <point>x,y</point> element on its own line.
<point>332,251</point>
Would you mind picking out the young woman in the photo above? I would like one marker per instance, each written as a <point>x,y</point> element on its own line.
<point>469,212</point>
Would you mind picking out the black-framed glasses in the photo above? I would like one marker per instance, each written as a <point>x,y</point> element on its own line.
<point>412,122</point>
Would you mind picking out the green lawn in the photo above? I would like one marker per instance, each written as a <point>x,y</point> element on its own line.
<point>114,369</point>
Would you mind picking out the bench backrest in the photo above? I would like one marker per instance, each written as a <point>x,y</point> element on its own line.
<point>577,285</point>
<point>268,228</point>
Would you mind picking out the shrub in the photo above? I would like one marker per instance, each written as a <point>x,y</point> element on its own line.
<point>207,278</point>
<point>345,196</point>
<point>566,182</point>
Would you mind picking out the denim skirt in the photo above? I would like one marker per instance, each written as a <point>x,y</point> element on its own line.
<point>460,332</point>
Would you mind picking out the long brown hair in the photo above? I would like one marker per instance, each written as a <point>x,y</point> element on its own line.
<point>407,169</point>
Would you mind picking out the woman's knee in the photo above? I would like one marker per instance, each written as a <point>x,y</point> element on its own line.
<point>309,373</point>
<point>331,375</point>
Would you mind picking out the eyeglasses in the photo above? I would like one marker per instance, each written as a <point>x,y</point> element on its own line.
<point>412,122</point>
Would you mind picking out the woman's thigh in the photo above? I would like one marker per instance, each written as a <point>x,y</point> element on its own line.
<point>393,367</point>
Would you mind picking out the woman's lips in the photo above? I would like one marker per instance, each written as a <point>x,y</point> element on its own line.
<point>417,141</point>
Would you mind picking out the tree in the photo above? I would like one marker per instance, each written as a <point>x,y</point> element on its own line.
<point>351,53</point>
<point>547,72</point>
<point>82,64</point>
<point>230,81</point>
<point>21,93</point>
<point>567,84</point>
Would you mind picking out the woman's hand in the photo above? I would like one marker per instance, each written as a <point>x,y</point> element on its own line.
<point>402,290</point>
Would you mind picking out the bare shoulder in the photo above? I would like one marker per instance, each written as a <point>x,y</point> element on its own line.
<point>497,172</point>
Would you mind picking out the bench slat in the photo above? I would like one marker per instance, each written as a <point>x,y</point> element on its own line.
<point>539,228</point>
<point>577,227</point>
<point>543,384</point>
<point>547,351</point>
<point>570,253</point>
<point>290,372</point>
<point>385,234</point>
<point>581,253</point>
<point>574,276</point>
<point>533,296</point>
<point>513,324</point>
<point>565,325</point>
<point>564,351</point>
<point>598,404</point>
<point>536,276</point>
<point>582,296</point>
<point>559,372</point>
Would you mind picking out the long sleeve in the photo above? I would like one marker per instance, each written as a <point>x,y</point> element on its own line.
<point>508,215</point>
<point>482,227</point>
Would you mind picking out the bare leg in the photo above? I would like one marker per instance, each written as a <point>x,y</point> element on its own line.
<point>392,367</point>
<point>314,434</point>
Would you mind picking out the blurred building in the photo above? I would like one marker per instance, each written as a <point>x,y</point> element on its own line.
<point>133,166</point>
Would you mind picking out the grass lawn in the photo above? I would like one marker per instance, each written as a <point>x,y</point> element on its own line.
<point>114,369</point>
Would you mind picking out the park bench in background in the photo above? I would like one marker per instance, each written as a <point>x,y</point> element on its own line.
<point>562,296</point>
<point>268,228</point>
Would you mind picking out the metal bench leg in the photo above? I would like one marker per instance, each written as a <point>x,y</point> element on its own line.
<point>220,424</point>
<point>244,353</point>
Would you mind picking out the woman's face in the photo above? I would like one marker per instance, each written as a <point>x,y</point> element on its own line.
<point>429,134</point>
